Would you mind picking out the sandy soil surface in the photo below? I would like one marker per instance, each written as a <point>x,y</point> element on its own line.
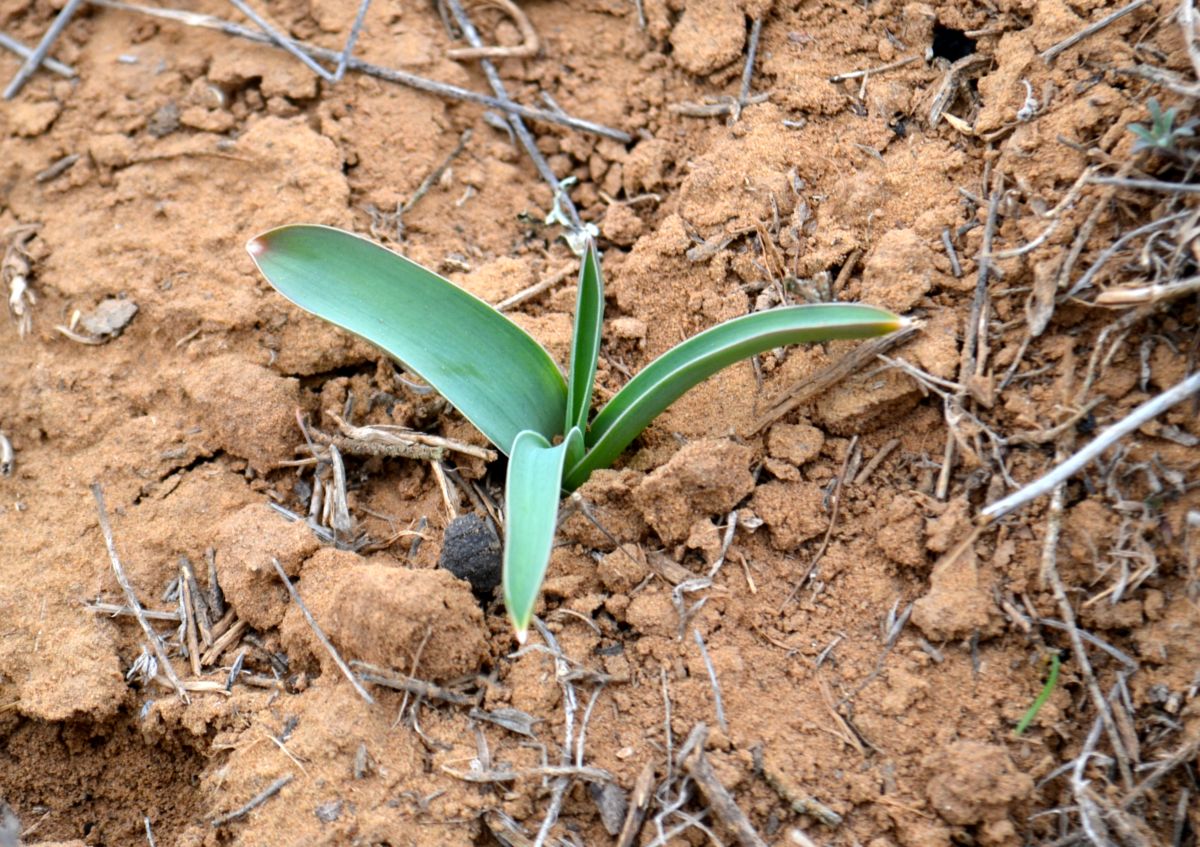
<point>871,654</point>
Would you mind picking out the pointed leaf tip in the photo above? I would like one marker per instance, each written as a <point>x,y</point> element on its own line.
<point>535,472</point>
<point>256,247</point>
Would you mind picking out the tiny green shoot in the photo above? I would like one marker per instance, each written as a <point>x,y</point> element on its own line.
<point>1047,690</point>
<point>507,385</point>
<point>1161,135</point>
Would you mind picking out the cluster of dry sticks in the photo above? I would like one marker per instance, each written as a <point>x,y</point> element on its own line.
<point>206,629</point>
<point>329,511</point>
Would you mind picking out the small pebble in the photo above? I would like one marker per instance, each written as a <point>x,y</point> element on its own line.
<point>471,551</point>
<point>329,812</point>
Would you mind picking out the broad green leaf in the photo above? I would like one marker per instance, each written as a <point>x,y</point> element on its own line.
<point>665,379</point>
<point>485,365</point>
<point>534,485</point>
<point>585,344</point>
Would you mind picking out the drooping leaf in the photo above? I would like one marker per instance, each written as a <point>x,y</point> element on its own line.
<point>534,485</point>
<point>585,344</point>
<point>665,379</point>
<point>485,365</point>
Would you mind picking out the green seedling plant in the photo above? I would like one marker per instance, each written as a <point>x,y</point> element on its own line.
<point>1161,135</point>
<point>507,385</point>
<point>1047,690</point>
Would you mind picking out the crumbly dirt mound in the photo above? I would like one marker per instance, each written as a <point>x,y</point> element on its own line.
<point>704,478</point>
<point>383,614</point>
<point>872,703</point>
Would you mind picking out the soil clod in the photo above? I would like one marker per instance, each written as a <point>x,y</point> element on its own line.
<point>471,551</point>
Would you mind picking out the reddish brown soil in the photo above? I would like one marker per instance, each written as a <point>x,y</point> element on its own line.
<point>185,417</point>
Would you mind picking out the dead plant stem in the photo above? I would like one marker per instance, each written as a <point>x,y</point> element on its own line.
<point>1051,53</point>
<point>351,40</point>
<point>255,801</point>
<point>10,43</point>
<point>1065,470</point>
<point>837,502</point>
<point>282,40</point>
<point>726,810</point>
<point>1049,574</point>
<point>515,120</point>
<point>34,60</point>
<point>131,597</point>
<point>342,666</point>
<point>429,86</point>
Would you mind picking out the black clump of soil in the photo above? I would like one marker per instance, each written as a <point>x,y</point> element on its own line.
<point>471,551</point>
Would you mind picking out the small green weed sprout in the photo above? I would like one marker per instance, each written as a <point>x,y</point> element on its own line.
<point>506,384</point>
<point>1162,135</point>
<point>1047,690</point>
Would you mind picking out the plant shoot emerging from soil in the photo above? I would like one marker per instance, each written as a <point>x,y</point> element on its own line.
<point>1161,135</point>
<point>507,385</point>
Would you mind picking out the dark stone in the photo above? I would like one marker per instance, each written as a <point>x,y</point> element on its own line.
<point>471,551</point>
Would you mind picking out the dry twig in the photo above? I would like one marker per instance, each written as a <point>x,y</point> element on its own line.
<point>890,66</point>
<point>559,771</point>
<point>527,49</point>
<point>342,666</point>
<point>34,60</point>
<point>10,43</point>
<point>723,805</point>
<point>1142,414</point>
<point>948,87</point>
<point>417,687</point>
<point>1049,573</point>
<point>639,801</point>
<point>255,801</point>
<point>429,86</point>
<point>724,104</point>
<point>718,703</point>
<point>833,516</point>
<point>1051,53</point>
<point>534,290</point>
<point>562,199</point>
<point>351,39</point>
<point>282,40</point>
<point>226,633</point>
<point>131,597</point>
<point>820,382</point>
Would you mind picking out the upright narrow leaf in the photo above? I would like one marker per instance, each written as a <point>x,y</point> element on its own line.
<point>534,486</point>
<point>585,345</point>
<point>485,365</point>
<point>665,379</point>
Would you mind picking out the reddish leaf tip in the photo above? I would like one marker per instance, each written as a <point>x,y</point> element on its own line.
<point>256,247</point>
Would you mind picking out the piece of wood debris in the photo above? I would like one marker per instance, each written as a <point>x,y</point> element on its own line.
<point>723,806</point>
<point>254,802</point>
